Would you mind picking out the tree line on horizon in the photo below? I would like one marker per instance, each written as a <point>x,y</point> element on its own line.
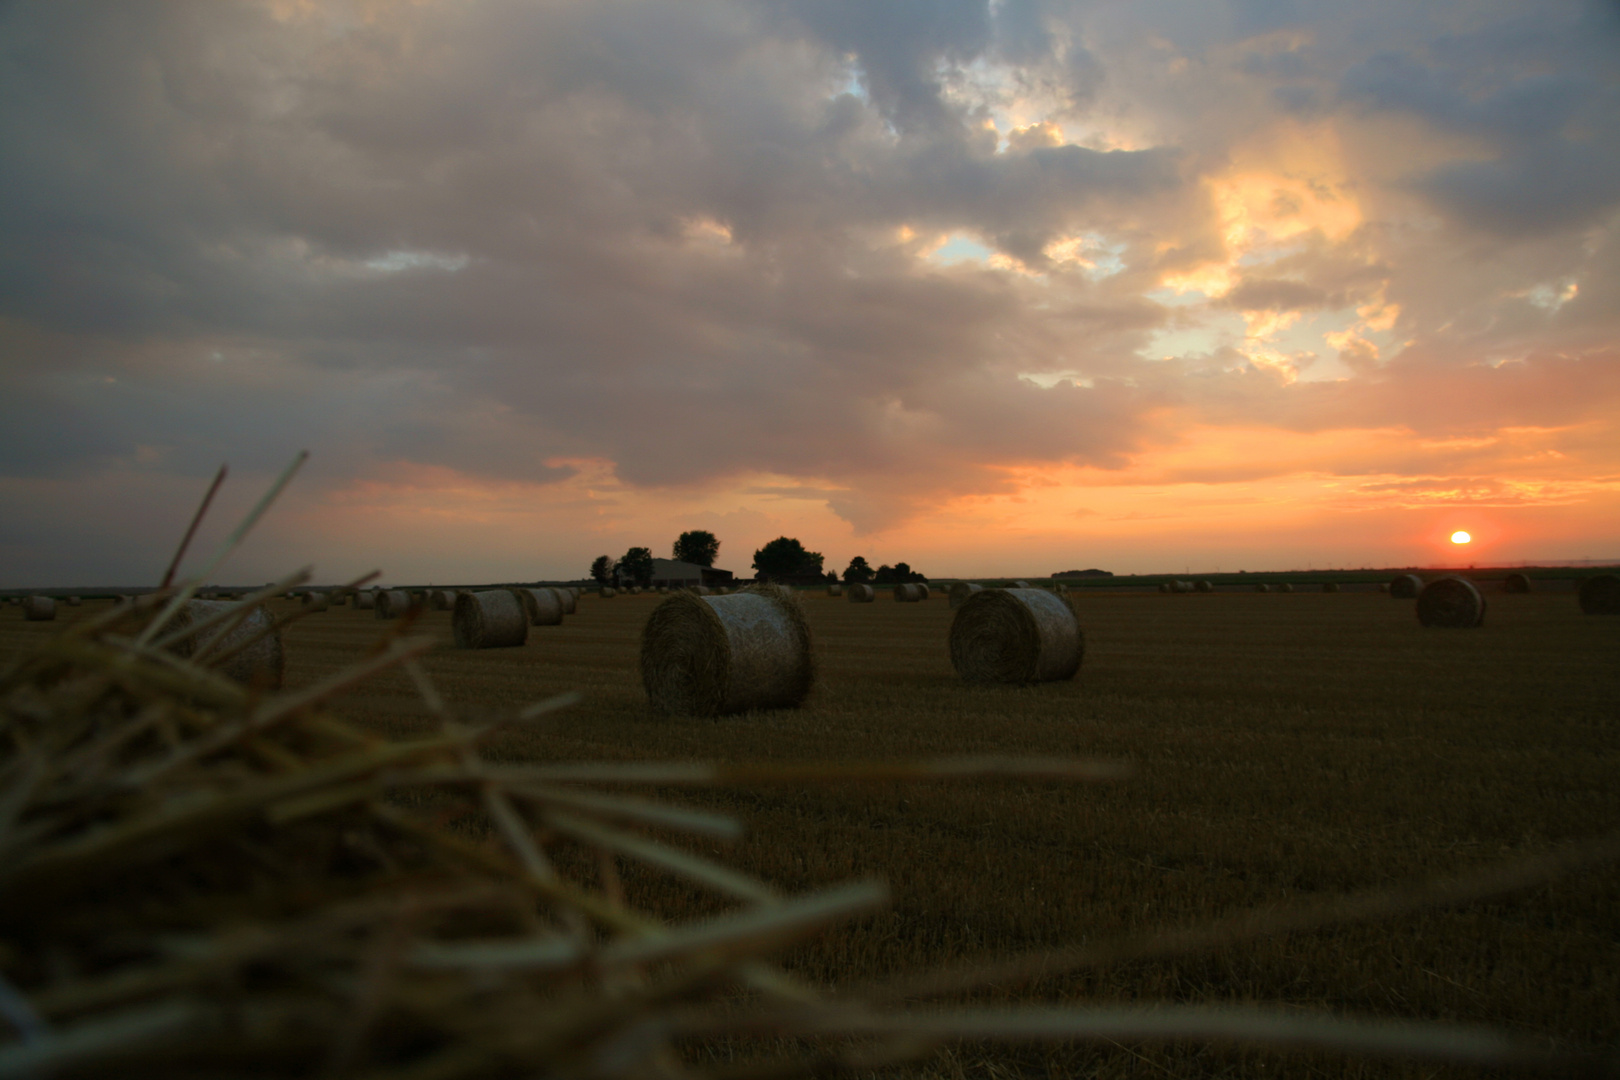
<point>784,559</point>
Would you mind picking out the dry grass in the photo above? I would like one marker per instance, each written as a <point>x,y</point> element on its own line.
<point>1282,751</point>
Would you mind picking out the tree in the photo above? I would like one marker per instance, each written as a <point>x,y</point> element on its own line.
<point>884,576</point>
<point>858,572</point>
<point>697,546</point>
<point>636,566</point>
<point>786,557</point>
<point>602,569</point>
<point>898,574</point>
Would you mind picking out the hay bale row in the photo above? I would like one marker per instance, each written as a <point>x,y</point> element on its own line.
<point>1600,595</point>
<point>1015,636</point>
<point>961,591</point>
<point>1405,587</point>
<point>910,594</point>
<point>490,619</point>
<point>262,664</point>
<point>717,655</point>
<point>1452,602</point>
<point>862,594</point>
<point>39,608</point>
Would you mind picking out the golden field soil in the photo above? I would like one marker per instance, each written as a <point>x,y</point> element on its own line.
<point>1285,746</point>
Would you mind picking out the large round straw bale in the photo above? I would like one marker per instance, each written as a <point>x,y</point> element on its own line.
<point>961,591</point>
<point>441,599</point>
<point>607,592</point>
<point>491,619</point>
<point>1262,587</point>
<point>1405,586</point>
<point>74,601</point>
<point>365,601</point>
<point>699,590</point>
<point>1020,584</point>
<point>1285,587</point>
<point>1516,583</point>
<point>1015,636</point>
<point>911,593</point>
<point>835,590</point>
<point>565,598</point>
<point>1330,586</point>
<point>392,603</point>
<point>862,594</point>
<point>1450,601</point>
<point>713,655</point>
<point>262,664</point>
<point>1204,585</point>
<point>541,606</point>
<point>38,608</point>
<point>1600,595</point>
<point>316,601</point>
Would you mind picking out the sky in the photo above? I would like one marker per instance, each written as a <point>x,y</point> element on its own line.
<point>992,288</point>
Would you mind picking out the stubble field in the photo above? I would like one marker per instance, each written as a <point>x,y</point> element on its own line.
<point>1283,746</point>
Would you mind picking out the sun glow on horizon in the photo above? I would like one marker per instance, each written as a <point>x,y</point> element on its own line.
<point>1460,537</point>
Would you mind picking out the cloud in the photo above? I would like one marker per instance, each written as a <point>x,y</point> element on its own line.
<point>693,242</point>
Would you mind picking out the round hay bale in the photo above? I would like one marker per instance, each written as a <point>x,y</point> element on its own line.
<point>316,601</point>
<point>262,665</point>
<point>1262,587</point>
<point>565,597</point>
<point>835,589</point>
<point>1516,583</point>
<point>699,590</point>
<point>365,601</point>
<point>634,590</point>
<point>1204,585</point>
<point>711,656</point>
<point>961,591</point>
<point>663,590</point>
<point>862,594</point>
<point>541,606</point>
<point>607,592</point>
<point>1020,584</point>
<point>1450,601</point>
<point>1185,587</point>
<point>39,608</point>
<point>441,599</point>
<point>1405,587</point>
<point>1285,587</point>
<point>391,603</point>
<point>492,619</point>
<point>1330,586</point>
<point>1164,587</point>
<point>74,601</point>
<point>910,593</point>
<point>1016,636</point>
<point>1600,595</point>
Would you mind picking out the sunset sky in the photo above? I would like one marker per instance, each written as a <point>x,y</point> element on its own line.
<point>1002,288</point>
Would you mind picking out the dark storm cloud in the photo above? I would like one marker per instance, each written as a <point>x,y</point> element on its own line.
<point>689,239</point>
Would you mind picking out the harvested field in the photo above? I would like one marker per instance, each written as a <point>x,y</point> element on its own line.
<point>1283,751</point>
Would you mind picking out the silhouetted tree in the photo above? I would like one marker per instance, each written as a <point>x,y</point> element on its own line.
<point>602,569</point>
<point>636,566</point>
<point>898,574</point>
<point>786,557</point>
<point>858,572</point>
<point>697,546</point>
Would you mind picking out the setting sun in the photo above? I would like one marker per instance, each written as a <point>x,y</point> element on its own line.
<point>1460,537</point>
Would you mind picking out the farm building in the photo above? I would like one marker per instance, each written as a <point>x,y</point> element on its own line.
<point>676,574</point>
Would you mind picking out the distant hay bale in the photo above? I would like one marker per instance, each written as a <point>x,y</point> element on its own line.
<point>1600,595</point>
<point>1405,587</point>
<point>835,589</point>
<point>699,590</point>
<point>38,608</point>
<point>566,598</point>
<point>542,606</point>
<point>961,591</point>
<point>1060,588</point>
<point>492,619</point>
<point>1165,587</point>
<point>635,590</point>
<point>1450,601</point>
<point>1015,636</point>
<point>316,601</point>
<point>1285,587</point>
<point>1019,585</point>
<point>910,594</point>
<point>607,592</point>
<point>663,590</point>
<point>1262,587</point>
<point>712,656</point>
<point>262,664</point>
<point>1204,585</point>
<point>441,599</point>
<point>1330,586</point>
<point>74,601</point>
<point>365,601</point>
<point>862,594</point>
<point>391,603</point>
<point>1185,587</point>
<point>1516,583</point>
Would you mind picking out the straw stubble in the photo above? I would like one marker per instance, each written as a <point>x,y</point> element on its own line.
<point>717,655</point>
